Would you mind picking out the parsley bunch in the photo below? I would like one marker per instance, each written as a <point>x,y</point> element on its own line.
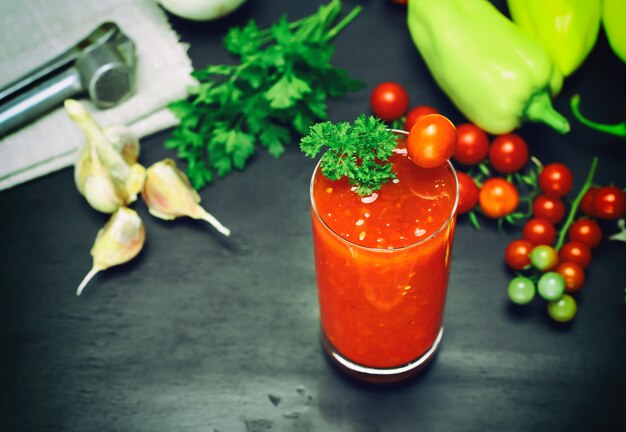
<point>359,152</point>
<point>281,84</point>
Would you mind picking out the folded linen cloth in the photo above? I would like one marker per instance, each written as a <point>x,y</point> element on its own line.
<point>34,31</point>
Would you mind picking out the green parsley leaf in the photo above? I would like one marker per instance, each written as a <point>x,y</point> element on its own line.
<point>359,152</point>
<point>280,85</point>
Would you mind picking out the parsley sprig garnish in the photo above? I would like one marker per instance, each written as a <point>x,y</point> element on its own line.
<point>359,152</point>
<point>281,84</point>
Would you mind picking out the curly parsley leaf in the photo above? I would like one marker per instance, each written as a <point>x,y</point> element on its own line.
<point>280,85</point>
<point>359,152</point>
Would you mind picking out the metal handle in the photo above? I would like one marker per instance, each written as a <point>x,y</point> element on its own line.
<point>100,66</point>
<point>39,100</point>
<point>102,34</point>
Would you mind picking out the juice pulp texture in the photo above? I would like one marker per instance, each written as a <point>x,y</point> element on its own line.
<point>382,262</point>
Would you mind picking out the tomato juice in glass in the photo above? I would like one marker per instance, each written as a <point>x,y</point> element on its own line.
<point>382,264</point>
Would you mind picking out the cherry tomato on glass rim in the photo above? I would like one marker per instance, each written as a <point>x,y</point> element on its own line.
<point>417,113</point>
<point>472,144</point>
<point>585,231</point>
<point>431,141</point>
<point>551,209</point>
<point>517,254</point>
<point>468,193</point>
<point>556,180</point>
<point>508,153</point>
<point>389,101</point>
<point>573,274</point>
<point>539,231</point>
<point>498,197</point>
<point>575,252</point>
<point>609,202</point>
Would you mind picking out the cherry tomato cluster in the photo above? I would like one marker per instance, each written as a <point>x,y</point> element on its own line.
<point>500,175</point>
<point>557,266</point>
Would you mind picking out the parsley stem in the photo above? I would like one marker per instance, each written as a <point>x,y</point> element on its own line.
<point>576,203</point>
<point>344,22</point>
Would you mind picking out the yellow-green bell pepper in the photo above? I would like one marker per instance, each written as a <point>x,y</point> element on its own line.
<point>496,75</point>
<point>614,22</point>
<point>567,29</point>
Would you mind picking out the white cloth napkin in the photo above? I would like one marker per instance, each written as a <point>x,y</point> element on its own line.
<point>34,31</point>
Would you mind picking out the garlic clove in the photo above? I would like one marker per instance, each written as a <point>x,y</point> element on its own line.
<point>102,172</point>
<point>119,241</point>
<point>168,194</point>
<point>124,142</point>
<point>108,154</point>
<point>135,182</point>
<point>100,189</point>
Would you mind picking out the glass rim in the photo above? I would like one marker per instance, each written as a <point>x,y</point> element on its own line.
<point>445,224</point>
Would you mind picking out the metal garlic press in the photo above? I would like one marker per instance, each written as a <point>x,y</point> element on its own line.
<point>101,67</point>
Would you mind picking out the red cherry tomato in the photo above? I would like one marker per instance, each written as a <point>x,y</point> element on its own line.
<point>498,197</point>
<point>431,141</point>
<point>389,101</point>
<point>517,254</point>
<point>585,231</point>
<point>417,113</point>
<point>573,274</point>
<point>575,252</point>
<point>472,144</point>
<point>609,202</point>
<point>586,203</point>
<point>556,180</point>
<point>508,153</point>
<point>539,231</point>
<point>468,193</point>
<point>551,209</point>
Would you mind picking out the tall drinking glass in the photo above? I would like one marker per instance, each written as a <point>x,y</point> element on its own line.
<point>382,264</point>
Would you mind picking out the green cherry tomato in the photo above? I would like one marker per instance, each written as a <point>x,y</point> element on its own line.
<point>551,286</point>
<point>563,309</point>
<point>544,257</point>
<point>521,290</point>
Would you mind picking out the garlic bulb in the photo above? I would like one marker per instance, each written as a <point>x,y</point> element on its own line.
<point>119,241</point>
<point>106,172</point>
<point>168,194</point>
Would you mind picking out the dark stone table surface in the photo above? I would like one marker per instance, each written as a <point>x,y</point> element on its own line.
<point>202,333</point>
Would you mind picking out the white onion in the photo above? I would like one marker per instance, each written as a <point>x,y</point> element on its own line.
<point>201,10</point>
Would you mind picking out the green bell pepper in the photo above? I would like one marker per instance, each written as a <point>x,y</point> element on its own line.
<point>496,75</point>
<point>614,21</point>
<point>567,29</point>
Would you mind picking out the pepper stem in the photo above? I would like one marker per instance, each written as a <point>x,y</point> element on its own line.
<point>540,109</point>
<point>618,129</point>
<point>86,279</point>
<point>206,216</point>
<point>576,203</point>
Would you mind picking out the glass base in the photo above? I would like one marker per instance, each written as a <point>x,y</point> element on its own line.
<point>381,375</point>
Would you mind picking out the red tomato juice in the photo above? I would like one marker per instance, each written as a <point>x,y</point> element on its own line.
<point>382,262</point>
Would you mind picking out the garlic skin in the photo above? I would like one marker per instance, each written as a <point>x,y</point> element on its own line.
<point>119,241</point>
<point>126,144</point>
<point>106,173</point>
<point>168,194</point>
